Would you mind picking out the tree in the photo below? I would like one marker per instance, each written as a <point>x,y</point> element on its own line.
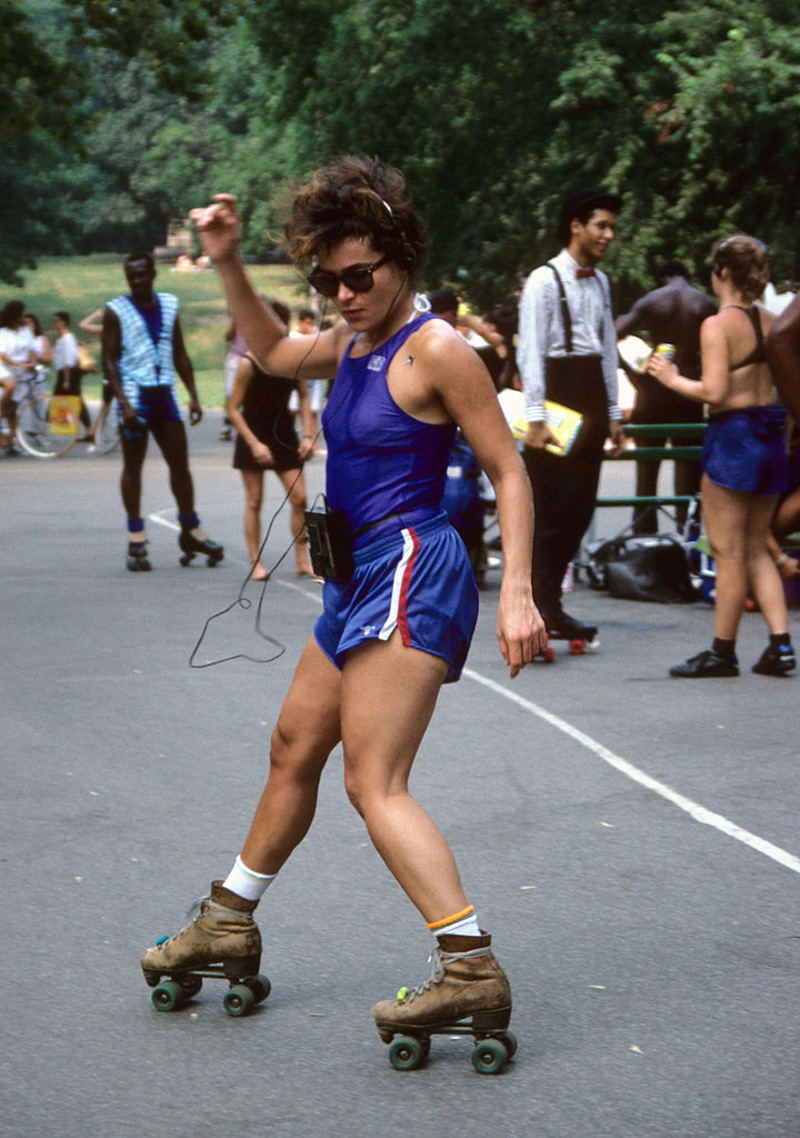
<point>39,97</point>
<point>495,109</point>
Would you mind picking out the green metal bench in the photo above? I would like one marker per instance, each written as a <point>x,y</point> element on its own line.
<point>657,454</point>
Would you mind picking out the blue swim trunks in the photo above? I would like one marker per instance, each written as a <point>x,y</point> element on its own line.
<point>746,450</point>
<point>154,404</point>
<point>418,580</point>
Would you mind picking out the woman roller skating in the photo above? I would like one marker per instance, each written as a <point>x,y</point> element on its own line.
<point>397,624</point>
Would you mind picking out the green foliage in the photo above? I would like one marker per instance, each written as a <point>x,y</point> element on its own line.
<point>162,33</point>
<point>80,285</point>
<point>493,108</point>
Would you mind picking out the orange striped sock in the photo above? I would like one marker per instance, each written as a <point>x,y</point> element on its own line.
<point>464,923</point>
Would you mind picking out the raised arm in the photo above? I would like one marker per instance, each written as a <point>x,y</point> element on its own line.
<point>309,357</point>
<point>93,323</point>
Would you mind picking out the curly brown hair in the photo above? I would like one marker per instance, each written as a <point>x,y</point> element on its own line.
<point>357,197</point>
<point>747,263</point>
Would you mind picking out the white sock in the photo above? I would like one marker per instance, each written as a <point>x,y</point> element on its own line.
<point>464,923</point>
<point>246,882</point>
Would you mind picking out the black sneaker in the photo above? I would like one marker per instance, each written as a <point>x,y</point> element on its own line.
<point>704,665</point>
<point>776,660</point>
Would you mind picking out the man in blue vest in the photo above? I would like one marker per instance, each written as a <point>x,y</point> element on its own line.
<point>143,348</point>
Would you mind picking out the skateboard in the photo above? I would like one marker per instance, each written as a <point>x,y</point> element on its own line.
<point>409,1047</point>
<point>171,990</point>
<point>576,645</point>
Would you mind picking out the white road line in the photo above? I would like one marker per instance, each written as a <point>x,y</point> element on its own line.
<point>693,809</point>
<point>163,521</point>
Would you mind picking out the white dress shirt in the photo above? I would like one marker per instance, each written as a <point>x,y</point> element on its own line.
<point>542,334</point>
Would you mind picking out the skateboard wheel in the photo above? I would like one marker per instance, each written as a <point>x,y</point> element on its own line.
<point>510,1040</point>
<point>490,1056</point>
<point>239,1000</point>
<point>577,647</point>
<point>407,1053</point>
<point>168,996</point>
<point>260,987</point>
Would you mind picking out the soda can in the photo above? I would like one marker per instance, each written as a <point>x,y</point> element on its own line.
<point>668,351</point>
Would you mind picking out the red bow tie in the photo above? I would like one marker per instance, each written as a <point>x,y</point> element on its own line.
<point>584,273</point>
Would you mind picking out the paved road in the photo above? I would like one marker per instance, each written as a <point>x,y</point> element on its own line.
<point>632,842</point>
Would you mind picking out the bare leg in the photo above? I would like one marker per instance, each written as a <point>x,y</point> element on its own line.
<point>724,515</point>
<point>645,518</point>
<point>133,454</point>
<point>253,497</point>
<point>687,483</point>
<point>388,696</point>
<point>171,438</point>
<point>306,732</point>
<point>8,409</point>
<point>294,484</point>
<point>787,516</point>
<point>762,570</point>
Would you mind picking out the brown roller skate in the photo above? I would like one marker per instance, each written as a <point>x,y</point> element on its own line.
<point>468,994</point>
<point>223,942</point>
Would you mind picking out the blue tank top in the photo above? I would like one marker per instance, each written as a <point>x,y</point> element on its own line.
<point>381,460</point>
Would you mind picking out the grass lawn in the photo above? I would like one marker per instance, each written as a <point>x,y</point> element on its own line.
<point>79,285</point>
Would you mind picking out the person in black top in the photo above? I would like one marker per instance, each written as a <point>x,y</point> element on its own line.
<point>258,409</point>
<point>670,314</point>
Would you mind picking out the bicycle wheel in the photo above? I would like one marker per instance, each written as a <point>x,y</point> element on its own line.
<point>47,426</point>
<point>106,429</point>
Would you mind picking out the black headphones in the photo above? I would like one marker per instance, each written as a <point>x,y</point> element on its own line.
<point>406,255</point>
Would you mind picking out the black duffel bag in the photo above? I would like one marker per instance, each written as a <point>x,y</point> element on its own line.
<point>641,568</point>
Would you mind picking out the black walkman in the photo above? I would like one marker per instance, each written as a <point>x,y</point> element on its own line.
<point>330,544</point>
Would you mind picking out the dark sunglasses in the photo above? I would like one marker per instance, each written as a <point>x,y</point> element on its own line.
<point>356,279</point>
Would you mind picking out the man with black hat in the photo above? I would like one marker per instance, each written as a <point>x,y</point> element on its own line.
<point>567,354</point>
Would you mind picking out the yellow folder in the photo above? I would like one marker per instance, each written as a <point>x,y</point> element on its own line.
<point>562,421</point>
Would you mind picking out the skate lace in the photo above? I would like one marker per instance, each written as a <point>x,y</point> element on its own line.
<point>191,912</point>
<point>437,960</point>
<point>196,908</point>
<point>408,995</point>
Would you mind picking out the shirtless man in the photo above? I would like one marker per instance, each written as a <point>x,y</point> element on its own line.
<point>783,356</point>
<point>670,314</point>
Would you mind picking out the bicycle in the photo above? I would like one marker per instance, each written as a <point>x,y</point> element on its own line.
<point>106,429</point>
<point>47,425</point>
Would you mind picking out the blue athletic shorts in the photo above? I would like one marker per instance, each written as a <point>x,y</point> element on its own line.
<point>154,404</point>
<point>417,580</point>
<point>746,450</point>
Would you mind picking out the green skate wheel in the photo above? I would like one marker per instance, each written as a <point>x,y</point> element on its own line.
<point>191,986</point>
<point>407,1053</point>
<point>489,1056</point>
<point>260,987</point>
<point>168,996</point>
<point>239,1000</point>
<point>510,1041</point>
